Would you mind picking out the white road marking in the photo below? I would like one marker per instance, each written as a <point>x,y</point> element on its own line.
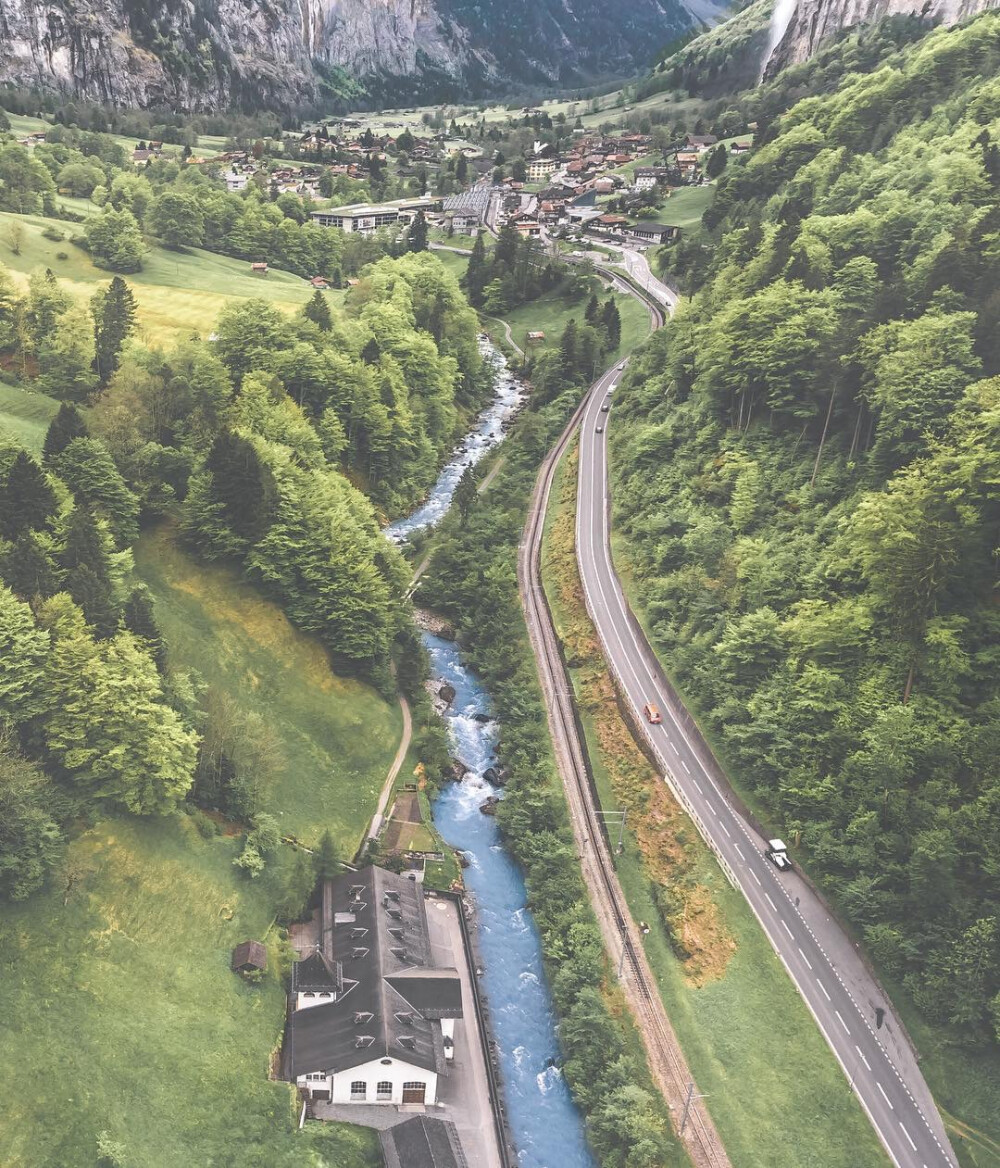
<point>685,766</point>
<point>841,1021</point>
<point>788,930</point>
<point>862,1057</point>
<point>713,811</point>
<point>740,854</point>
<point>724,828</point>
<point>907,1134</point>
<point>823,988</point>
<point>770,902</point>
<point>754,875</point>
<point>805,959</point>
<point>698,785</point>
<point>884,1096</point>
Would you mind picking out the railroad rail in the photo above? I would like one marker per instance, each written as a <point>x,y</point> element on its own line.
<point>666,1059</point>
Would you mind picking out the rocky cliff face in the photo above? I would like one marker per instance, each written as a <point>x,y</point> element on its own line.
<point>211,54</point>
<point>815,21</point>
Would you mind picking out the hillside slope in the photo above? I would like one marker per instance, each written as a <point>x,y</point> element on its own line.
<point>807,464</point>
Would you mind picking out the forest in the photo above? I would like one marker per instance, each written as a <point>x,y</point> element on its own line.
<point>281,445</point>
<point>807,480</point>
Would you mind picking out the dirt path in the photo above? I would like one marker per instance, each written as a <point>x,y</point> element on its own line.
<point>509,335</point>
<point>397,762</point>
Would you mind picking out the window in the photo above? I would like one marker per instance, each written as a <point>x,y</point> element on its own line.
<point>359,1089</point>
<point>309,994</point>
<point>384,1090</point>
<point>316,1077</point>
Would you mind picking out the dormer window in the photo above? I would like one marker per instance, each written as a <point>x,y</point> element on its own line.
<point>397,933</point>
<point>362,1016</point>
<point>363,1040</point>
<point>407,1040</point>
<point>392,894</point>
<point>358,905</point>
<point>358,933</point>
<point>356,891</point>
<point>395,914</point>
<point>404,1016</point>
<point>359,951</point>
<point>398,952</point>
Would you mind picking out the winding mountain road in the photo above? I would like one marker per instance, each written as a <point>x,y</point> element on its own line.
<point>825,965</point>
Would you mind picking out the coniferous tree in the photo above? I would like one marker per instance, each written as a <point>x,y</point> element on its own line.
<point>716,163</point>
<point>26,499</point>
<point>416,240</point>
<point>94,596</point>
<point>612,321</point>
<point>241,484</point>
<point>371,353</point>
<point>86,544</point>
<point>64,427</point>
<point>318,311</point>
<point>325,858</point>
<point>28,568</point>
<point>114,310</point>
<point>592,313</point>
<point>140,620</point>
<point>476,275</point>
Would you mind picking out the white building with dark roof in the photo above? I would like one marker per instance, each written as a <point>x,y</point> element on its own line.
<point>372,1018</point>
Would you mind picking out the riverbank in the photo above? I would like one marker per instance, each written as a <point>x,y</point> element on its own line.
<point>475,585</point>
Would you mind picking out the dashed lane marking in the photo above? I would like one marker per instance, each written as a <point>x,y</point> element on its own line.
<point>823,988</point>
<point>788,930</point>
<point>884,1096</point>
<point>805,959</point>
<point>862,1057</point>
<point>842,1022</point>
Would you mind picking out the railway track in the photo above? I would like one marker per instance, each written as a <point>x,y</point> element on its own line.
<point>620,933</point>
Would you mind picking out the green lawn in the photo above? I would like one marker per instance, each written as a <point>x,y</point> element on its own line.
<point>120,1014</point>
<point>685,207</point>
<point>551,313</point>
<point>776,1093</point>
<point>25,416</point>
<point>179,293</point>
<point>336,736</point>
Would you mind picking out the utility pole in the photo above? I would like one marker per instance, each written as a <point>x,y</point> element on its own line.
<point>687,1106</point>
<point>620,846</point>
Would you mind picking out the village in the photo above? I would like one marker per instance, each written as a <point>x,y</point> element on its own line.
<point>625,187</point>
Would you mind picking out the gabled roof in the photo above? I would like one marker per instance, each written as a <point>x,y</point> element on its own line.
<point>250,953</point>
<point>317,974</point>
<point>375,923</point>
<point>422,1142</point>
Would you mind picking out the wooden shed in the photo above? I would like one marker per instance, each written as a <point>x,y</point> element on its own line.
<point>248,957</point>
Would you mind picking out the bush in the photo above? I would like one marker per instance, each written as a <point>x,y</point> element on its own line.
<point>54,234</point>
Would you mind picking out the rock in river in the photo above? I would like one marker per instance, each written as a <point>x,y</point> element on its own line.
<point>447,693</point>
<point>489,805</point>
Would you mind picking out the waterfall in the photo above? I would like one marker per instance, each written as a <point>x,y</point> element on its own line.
<point>781,18</point>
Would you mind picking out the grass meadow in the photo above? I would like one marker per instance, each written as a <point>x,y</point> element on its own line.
<point>336,736</point>
<point>776,1093</point>
<point>25,416</point>
<point>179,293</point>
<point>120,1014</point>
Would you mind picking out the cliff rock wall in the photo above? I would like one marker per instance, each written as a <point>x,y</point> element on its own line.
<point>815,21</point>
<point>212,54</point>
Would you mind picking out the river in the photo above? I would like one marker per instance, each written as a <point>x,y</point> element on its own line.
<point>547,1127</point>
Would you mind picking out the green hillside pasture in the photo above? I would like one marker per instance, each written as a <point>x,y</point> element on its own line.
<point>121,1014</point>
<point>551,313</point>
<point>336,737</point>
<point>685,207</point>
<point>25,416</point>
<point>179,293</point>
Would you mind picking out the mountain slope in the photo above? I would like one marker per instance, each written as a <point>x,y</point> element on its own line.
<point>209,54</point>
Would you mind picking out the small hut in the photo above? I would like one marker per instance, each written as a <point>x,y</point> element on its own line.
<point>259,269</point>
<point>249,957</point>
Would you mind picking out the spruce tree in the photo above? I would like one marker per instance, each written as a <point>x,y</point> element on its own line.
<point>241,484</point>
<point>28,569</point>
<point>591,314</point>
<point>26,499</point>
<point>476,275</point>
<point>64,427</point>
<point>86,544</point>
<point>371,353</point>
<point>318,311</point>
<point>114,310</point>
<point>94,596</point>
<point>139,619</point>
<point>612,321</point>
<point>325,858</point>
<point>417,238</point>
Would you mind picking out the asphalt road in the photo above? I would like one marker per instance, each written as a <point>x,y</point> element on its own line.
<point>820,958</point>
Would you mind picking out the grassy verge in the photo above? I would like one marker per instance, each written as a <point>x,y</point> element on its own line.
<point>773,1084</point>
<point>335,736</point>
<point>965,1083</point>
<point>178,293</point>
<point>121,1015</point>
<point>25,416</point>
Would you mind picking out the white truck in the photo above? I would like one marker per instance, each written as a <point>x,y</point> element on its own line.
<point>777,853</point>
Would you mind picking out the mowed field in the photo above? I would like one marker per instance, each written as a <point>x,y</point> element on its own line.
<point>336,736</point>
<point>179,293</point>
<point>551,313</point>
<point>25,416</point>
<point>120,1014</point>
<point>775,1091</point>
